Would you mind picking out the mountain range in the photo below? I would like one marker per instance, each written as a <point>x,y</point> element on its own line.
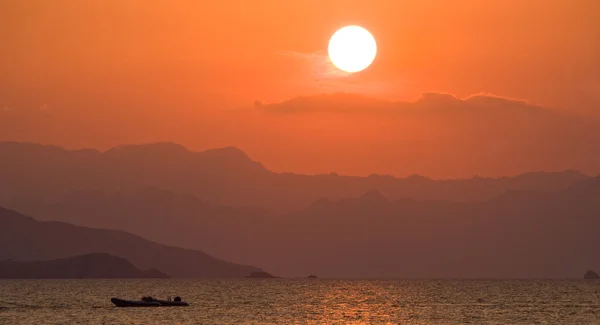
<point>225,176</point>
<point>517,234</point>
<point>23,239</point>
<point>533,225</point>
<point>93,265</point>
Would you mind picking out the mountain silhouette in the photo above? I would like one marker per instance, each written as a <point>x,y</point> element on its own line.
<point>373,197</point>
<point>25,239</point>
<point>149,212</point>
<point>94,265</point>
<point>518,234</point>
<point>219,201</point>
<point>225,176</point>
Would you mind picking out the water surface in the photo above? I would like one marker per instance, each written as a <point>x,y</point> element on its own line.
<point>303,301</point>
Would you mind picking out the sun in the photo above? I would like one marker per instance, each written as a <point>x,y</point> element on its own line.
<point>352,48</point>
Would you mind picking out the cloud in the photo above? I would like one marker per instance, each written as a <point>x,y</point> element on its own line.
<point>440,134</point>
<point>318,63</point>
<point>320,75</point>
<point>328,103</point>
<point>428,103</point>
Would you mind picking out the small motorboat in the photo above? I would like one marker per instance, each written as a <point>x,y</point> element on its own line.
<point>149,302</point>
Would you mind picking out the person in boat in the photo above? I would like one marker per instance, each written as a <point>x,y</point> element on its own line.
<point>178,299</point>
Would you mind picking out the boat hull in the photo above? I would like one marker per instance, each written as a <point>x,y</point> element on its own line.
<point>132,303</point>
<point>155,303</point>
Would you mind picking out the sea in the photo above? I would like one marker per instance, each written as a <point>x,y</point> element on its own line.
<point>303,301</point>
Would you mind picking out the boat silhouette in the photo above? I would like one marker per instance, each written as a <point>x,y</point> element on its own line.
<point>149,302</point>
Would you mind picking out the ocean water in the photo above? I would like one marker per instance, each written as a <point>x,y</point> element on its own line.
<point>303,301</point>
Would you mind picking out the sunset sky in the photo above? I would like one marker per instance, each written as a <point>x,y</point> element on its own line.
<point>205,74</point>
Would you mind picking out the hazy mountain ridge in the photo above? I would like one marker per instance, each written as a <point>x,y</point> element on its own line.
<point>93,265</point>
<point>25,239</point>
<point>225,176</point>
<point>521,234</point>
<point>517,234</point>
<point>223,203</point>
<point>147,213</point>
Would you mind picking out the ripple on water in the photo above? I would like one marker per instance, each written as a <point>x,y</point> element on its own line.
<point>302,301</point>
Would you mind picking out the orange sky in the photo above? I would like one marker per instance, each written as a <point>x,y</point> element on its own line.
<point>99,73</point>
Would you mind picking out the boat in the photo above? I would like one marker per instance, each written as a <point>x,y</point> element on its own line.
<point>149,302</point>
